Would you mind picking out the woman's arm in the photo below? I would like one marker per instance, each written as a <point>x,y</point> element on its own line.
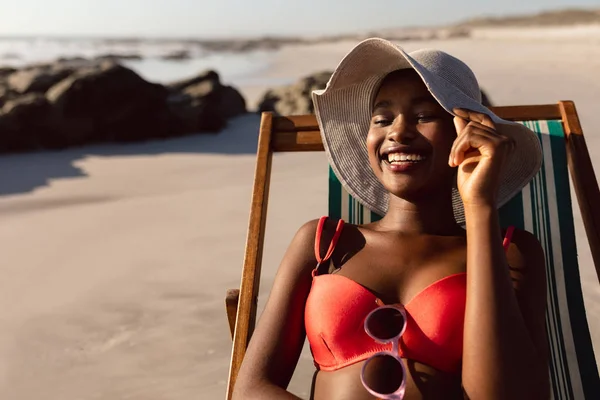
<point>504,354</point>
<point>276,344</point>
<point>505,343</point>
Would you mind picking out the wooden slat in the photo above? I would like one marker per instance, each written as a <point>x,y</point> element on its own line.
<point>297,141</point>
<point>231,305</point>
<point>584,179</point>
<point>301,132</point>
<point>294,123</point>
<point>528,113</point>
<point>246,314</point>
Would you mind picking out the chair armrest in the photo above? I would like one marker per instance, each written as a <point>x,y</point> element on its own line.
<point>231,305</point>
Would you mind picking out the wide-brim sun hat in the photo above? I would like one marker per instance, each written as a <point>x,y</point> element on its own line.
<point>343,110</point>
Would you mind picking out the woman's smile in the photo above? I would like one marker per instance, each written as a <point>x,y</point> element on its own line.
<point>403,162</point>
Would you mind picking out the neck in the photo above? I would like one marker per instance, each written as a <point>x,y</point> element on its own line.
<point>432,215</point>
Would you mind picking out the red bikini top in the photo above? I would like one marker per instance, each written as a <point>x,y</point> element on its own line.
<point>337,306</point>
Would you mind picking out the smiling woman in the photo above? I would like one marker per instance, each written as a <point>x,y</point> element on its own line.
<point>403,102</point>
<point>435,300</point>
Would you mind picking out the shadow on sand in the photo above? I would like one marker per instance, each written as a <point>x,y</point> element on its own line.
<point>22,173</point>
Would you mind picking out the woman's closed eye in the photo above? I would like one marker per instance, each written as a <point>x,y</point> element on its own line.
<point>426,117</point>
<point>381,121</point>
<point>418,118</point>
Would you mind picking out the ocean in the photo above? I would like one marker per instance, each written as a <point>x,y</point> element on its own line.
<point>234,68</point>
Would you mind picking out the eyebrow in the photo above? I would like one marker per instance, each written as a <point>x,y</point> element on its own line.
<point>417,100</point>
<point>424,99</point>
<point>382,104</point>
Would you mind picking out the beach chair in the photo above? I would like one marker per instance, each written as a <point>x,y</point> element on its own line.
<point>543,208</point>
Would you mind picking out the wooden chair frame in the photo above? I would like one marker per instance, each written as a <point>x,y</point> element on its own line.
<point>301,133</point>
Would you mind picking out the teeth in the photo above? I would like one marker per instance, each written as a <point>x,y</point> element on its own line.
<point>403,157</point>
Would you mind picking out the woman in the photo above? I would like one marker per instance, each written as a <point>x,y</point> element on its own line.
<point>407,136</point>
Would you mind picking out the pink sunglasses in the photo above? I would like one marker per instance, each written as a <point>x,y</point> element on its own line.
<point>385,324</point>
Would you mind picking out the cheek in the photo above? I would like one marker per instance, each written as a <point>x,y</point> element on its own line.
<point>373,143</point>
<point>445,148</point>
<point>442,145</point>
<point>442,141</point>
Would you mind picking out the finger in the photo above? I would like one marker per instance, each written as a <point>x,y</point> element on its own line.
<point>457,143</point>
<point>462,146</point>
<point>496,138</point>
<point>467,147</point>
<point>460,125</point>
<point>463,130</point>
<point>483,127</point>
<point>474,116</point>
<point>473,138</point>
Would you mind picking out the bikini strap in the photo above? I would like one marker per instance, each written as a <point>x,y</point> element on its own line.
<point>508,237</point>
<point>334,240</point>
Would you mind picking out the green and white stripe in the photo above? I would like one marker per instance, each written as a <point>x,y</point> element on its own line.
<point>343,205</point>
<point>544,209</point>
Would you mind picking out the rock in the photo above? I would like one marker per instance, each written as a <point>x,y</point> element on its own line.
<point>455,33</point>
<point>202,89</point>
<point>3,95</point>
<point>196,115</point>
<point>28,123</point>
<point>91,102</point>
<point>118,57</point>
<point>177,55</point>
<point>246,45</point>
<point>294,99</point>
<point>73,64</point>
<point>66,60</point>
<point>231,103</point>
<point>110,102</point>
<point>208,75</point>
<point>203,104</point>
<point>6,94</point>
<point>6,71</point>
<point>37,79</point>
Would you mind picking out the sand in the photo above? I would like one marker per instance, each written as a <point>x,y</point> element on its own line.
<point>115,259</point>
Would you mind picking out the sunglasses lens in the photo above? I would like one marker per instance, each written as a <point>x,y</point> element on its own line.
<point>383,374</point>
<point>385,323</point>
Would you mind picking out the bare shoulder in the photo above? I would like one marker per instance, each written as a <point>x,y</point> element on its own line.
<point>350,241</point>
<point>301,248</point>
<point>301,254</point>
<point>306,233</point>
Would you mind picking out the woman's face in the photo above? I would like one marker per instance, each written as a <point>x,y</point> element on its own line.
<point>410,137</point>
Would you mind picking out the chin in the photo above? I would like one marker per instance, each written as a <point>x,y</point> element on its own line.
<point>405,190</point>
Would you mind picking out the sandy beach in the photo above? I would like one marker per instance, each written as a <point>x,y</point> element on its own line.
<point>115,259</point>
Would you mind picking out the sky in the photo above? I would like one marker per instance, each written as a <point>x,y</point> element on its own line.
<point>237,18</point>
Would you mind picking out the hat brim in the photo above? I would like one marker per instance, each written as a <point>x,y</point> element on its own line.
<point>343,111</point>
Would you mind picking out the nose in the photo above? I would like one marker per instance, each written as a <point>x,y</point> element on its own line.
<point>401,130</point>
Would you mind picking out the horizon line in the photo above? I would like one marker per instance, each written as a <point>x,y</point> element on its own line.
<point>279,36</point>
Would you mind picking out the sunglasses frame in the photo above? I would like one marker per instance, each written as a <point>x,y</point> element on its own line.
<point>399,393</point>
